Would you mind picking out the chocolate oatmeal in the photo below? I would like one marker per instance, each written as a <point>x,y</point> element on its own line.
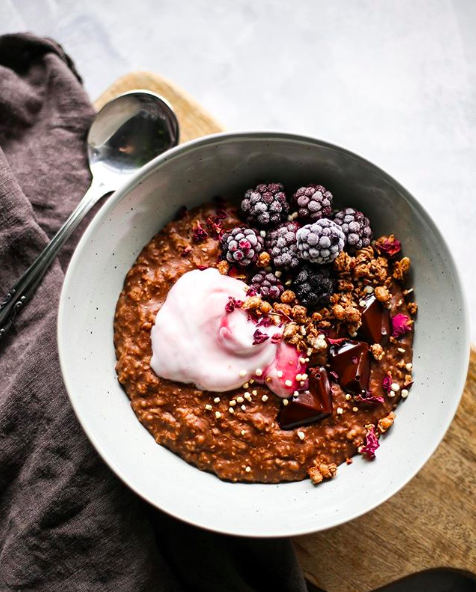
<point>317,285</point>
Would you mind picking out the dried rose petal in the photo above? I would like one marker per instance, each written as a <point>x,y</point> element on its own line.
<point>259,337</point>
<point>214,226</point>
<point>202,267</point>
<point>368,398</point>
<point>251,292</point>
<point>371,443</point>
<point>276,338</point>
<point>334,375</point>
<point>186,251</point>
<point>387,383</point>
<point>388,245</point>
<point>265,322</point>
<point>199,234</point>
<point>285,316</point>
<point>401,324</point>
<point>232,304</point>
<point>339,341</point>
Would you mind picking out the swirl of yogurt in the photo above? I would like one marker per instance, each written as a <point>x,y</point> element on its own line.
<point>195,340</point>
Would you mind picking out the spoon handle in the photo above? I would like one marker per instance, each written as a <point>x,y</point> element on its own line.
<point>25,287</point>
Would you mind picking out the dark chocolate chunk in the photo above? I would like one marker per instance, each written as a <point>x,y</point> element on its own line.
<point>311,405</point>
<point>375,321</point>
<point>351,361</point>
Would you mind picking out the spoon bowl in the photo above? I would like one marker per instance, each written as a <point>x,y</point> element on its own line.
<point>129,132</point>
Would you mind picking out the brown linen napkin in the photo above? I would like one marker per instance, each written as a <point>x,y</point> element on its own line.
<point>66,522</point>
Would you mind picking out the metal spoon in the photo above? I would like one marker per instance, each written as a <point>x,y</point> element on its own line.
<point>127,133</point>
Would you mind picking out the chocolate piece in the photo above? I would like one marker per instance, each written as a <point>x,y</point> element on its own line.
<point>375,321</point>
<point>309,406</point>
<point>351,362</point>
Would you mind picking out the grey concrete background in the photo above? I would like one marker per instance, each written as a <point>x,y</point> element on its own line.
<point>393,80</point>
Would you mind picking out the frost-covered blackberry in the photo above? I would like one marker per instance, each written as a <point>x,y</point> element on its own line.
<point>314,286</point>
<point>281,244</point>
<point>267,285</point>
<point>320,242</point>
<point>266,205</point>
<point>313,202</point>
<point>356,228</point>
<point>241,246</point>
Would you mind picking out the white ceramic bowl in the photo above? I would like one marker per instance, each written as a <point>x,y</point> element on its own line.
<point>228,164</point>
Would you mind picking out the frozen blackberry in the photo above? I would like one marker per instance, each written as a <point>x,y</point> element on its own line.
<point>313,202</point>
<point>320,242</point>
<point>241,246</point>
<point>281,245</point>
<point>267,285</point>
<point>266,205</point>
<point>356,228</point>
<point>314,286</point>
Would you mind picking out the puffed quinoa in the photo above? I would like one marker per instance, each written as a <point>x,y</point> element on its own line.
<point>412,308</point>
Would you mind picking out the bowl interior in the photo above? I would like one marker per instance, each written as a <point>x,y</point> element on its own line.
<point>225,165</point>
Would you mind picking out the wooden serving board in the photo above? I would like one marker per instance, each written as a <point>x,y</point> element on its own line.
<point>432,521</point>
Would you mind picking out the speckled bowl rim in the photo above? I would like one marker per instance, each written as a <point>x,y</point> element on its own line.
<point>260,135</point>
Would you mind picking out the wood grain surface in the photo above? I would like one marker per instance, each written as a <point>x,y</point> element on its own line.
<point>432,521</point>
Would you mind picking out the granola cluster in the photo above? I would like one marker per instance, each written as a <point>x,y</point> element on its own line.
<point>357,277</point>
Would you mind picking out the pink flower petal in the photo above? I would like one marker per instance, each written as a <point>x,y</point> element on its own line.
<point>371,443</point>
<point>401,324</point>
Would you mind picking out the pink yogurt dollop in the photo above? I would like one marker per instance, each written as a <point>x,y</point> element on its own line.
<point>196,341</point>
